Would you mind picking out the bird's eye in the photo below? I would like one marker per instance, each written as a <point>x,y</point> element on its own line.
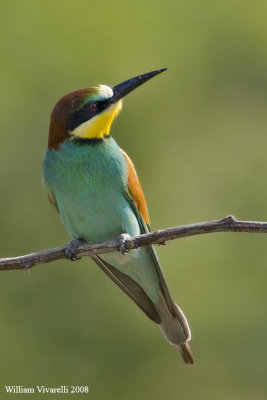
<point>93,106</point>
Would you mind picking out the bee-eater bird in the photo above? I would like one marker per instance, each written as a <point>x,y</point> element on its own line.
<point>94,186</point>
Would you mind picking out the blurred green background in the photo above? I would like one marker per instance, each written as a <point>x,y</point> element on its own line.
<point>197,135</point>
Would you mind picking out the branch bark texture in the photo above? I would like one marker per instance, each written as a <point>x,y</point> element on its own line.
<point>227,224</point>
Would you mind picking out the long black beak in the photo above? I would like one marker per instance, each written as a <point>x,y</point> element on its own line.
<point>126,87</point>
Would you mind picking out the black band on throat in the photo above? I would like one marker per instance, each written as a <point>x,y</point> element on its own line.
<point>84,141</point>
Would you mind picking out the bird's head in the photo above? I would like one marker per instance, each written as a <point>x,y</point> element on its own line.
<point>89,113</point>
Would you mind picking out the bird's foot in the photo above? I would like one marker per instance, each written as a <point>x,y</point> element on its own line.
<point>71,249</point>
<point>122,243</point>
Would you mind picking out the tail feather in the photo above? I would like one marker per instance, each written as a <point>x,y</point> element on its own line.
<point>175,328</point>
<point>165,312</point>
<point>130,287</point>
<point>186,353</point>
<point>173,323</point>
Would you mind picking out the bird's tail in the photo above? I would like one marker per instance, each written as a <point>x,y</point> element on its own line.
<point>175,327</point>
<point>165,312</point>
<point>186,353</point>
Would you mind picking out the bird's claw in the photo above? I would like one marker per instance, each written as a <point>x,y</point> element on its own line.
<point>71,249</point>
<point>122,243</point>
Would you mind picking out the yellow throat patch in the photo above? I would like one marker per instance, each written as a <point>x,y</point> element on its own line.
<point>98,126</point>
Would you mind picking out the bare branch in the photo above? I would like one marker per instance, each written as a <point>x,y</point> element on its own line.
<point>227,224</point>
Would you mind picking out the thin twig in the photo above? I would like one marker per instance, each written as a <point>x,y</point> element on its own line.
<point>227,224</point>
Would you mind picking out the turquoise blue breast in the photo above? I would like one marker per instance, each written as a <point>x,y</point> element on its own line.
<point>89,182</point>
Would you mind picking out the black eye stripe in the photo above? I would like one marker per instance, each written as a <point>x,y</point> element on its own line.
<point>85,113</point>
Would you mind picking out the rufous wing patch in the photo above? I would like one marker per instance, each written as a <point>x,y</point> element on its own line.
<point>136,190</point>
